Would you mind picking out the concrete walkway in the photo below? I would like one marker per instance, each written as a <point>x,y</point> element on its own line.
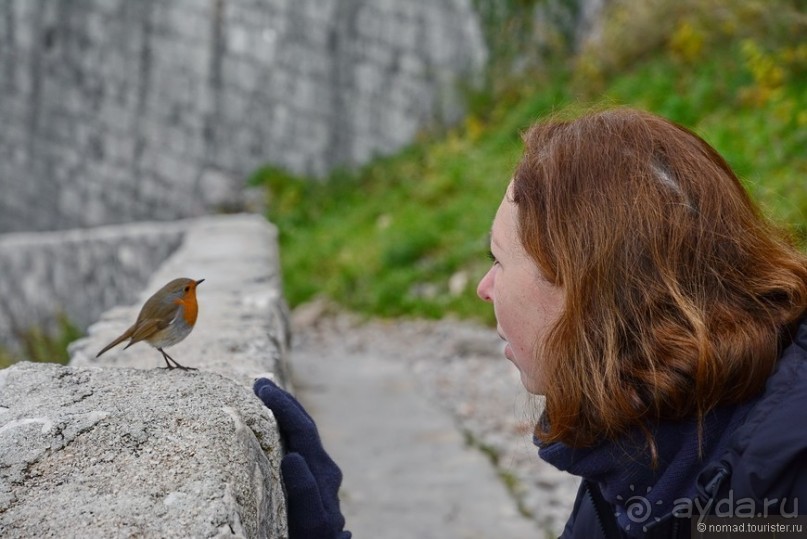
<point>408,471</point>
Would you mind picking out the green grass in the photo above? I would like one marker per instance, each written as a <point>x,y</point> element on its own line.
<point>40,346</point>
<point>765,143</point>
<point>387,239</point>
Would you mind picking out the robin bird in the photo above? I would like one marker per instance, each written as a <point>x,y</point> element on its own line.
<point>166,318</point>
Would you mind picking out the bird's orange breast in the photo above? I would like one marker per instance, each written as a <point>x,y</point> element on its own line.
<point>190,308</point>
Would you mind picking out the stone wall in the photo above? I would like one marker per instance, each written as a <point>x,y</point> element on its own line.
<point>112,446</point>
<point>116,111</point>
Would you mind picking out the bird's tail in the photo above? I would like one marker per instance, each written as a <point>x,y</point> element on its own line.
<point>127,334</point>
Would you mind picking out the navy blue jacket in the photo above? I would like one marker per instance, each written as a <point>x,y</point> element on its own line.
<point>764,465</point>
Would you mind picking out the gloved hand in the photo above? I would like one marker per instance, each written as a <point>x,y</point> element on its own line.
<point>311,477</point>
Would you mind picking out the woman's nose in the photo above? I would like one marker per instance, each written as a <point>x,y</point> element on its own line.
<point>483,289</point>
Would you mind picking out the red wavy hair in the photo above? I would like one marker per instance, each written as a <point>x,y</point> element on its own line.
<point>678,293</point>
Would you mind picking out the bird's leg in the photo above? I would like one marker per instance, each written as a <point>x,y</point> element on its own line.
<point>166,358</point>
<point>175,365</point>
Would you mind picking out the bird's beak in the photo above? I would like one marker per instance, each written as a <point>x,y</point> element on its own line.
<point>200,281</point>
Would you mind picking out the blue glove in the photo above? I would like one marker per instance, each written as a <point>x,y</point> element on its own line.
<point>311,477</point>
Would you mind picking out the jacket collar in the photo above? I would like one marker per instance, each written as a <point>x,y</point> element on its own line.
<point>641,494</point>
<point>770,439</point>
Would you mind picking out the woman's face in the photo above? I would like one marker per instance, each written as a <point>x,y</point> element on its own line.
<point>524,302</point>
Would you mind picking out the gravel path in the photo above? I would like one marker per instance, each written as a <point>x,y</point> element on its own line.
<point>448,369</point>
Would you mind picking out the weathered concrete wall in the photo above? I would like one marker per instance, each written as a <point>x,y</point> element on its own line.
<point>111,446</point>
<point>116,111</point>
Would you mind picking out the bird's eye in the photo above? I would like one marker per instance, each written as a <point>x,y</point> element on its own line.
<point>187,289</point>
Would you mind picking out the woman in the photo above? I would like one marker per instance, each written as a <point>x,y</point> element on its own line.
<point>638,289</point>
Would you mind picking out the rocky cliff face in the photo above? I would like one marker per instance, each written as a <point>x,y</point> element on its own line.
<point>117,111</point>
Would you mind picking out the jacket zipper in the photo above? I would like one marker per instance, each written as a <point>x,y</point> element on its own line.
<point>600,517</point>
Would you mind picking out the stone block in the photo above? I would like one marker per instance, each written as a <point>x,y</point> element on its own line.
<point>91,452</point>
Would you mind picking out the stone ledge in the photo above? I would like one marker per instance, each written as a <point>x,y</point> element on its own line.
<point>112,446</point>
<point>90,452</point>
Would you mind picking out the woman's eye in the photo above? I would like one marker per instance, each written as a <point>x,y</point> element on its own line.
<point>492,257</point>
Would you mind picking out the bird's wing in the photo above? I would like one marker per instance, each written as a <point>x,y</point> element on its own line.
<point>144,329</point>
<point>158,309</point>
